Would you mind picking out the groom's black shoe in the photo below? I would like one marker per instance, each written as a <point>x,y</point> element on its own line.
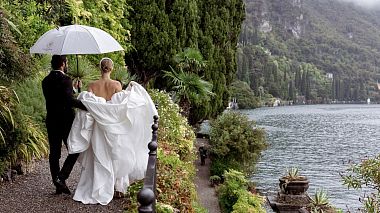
<point>61,187</point>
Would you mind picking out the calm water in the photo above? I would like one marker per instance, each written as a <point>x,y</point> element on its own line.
<point>321,140</point>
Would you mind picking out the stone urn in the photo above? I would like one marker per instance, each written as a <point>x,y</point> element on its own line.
<point>294,186</point>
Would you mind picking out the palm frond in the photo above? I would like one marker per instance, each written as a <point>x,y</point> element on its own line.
<point>122,75</point>
<point>14,27</point>
<point>2,139</point>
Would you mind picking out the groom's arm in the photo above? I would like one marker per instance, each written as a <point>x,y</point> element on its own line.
<point>68,95</point>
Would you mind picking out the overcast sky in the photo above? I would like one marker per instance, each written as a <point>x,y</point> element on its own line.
<point>365,3</point>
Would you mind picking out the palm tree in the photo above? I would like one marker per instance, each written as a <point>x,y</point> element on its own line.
<point>190,89</point>
<point>190,60</point>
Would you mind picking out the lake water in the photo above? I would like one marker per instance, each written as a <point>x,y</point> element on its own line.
<point>322,141</point>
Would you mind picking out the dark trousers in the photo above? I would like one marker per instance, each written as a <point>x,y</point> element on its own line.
<point>56,134</point>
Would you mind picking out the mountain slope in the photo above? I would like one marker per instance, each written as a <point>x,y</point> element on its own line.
<point>333,36</point>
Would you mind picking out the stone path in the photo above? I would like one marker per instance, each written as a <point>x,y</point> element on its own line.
<point>33,192</point>
<point>206,193</point>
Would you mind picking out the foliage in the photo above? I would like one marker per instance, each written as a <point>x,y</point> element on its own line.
<point>219,165</point>
<point>21,138</point>
<point>131,193</point>
<point>280,76</point>
<point>189,86</point>
<point>175,156</point>
<point>248,203</point>
<point>366,173</point>
<point>320,199</point>
<point>33,103</point>
<point>189,89</point>
<point>29,18</point>
<point>234,197</point>
<point>153,36</point>
<point>320,203</point>
<point>8,101</point>
<point>108,15</point>
<point>164,208</point>
<point>244,95</point>
<point>345,44</point>
<point>190,60</point>
<point>162,29</point>
<point>220,25</point>
<point>121,74</point>
<point>14,64</point>
<point>34,17</point>
<point>292,173</point>
<point>236,140</point>
<point>215,180</point>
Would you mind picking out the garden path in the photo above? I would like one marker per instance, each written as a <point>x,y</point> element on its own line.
<point>34,192</point>
<point>206,194</point>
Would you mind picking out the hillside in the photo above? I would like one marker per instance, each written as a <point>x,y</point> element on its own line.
<point>330,36</point>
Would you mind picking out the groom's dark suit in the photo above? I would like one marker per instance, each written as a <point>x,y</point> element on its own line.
<point>58,91</point>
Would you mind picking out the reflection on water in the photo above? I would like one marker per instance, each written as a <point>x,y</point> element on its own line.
<point>321,140</point>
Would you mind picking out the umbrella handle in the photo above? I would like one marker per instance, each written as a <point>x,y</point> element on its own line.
<point>79,83</point>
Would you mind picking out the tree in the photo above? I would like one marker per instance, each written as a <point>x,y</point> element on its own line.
<point>220,26</point>
<point>190,60</point>
<point>190,89</point>
<point>159,31</point>
<point>14,64</point>
<point>244,95</point>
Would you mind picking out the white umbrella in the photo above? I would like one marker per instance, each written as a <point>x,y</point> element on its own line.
<point>75,39</point>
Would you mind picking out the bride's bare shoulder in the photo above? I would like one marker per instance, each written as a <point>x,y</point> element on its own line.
<point>117,85</point>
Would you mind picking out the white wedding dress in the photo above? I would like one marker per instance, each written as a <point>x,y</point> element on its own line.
<point>112,138</point>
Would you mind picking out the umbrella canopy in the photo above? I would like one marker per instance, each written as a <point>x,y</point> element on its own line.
<point>75,39</point>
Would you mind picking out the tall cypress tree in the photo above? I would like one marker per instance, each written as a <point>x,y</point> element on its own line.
<point>162,28</point>
<point>220,25</point>
<point>152,38</point>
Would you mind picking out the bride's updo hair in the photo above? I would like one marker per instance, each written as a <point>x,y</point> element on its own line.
<point>106,65</point>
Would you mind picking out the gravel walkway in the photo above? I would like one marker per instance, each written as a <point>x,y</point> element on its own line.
<point>34,192</point>
<point>206,193</point>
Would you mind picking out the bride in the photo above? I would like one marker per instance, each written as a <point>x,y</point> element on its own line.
<point>112,137</point>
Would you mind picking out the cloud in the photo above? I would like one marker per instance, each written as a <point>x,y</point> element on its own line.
<point>365,3</point>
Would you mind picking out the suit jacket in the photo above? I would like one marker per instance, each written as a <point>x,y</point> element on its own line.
<point>58,91</point>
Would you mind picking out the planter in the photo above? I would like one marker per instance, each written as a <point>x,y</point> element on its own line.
<point>294,186</point>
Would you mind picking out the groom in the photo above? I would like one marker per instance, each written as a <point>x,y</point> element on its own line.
<point>58,91</point>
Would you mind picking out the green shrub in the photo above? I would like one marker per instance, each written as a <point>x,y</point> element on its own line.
<point>248,203</point>
<point>215,180</point>
<point>32,99</point>
<point>26,15</point>
<point>164,208</point>
<point>220,165</point>
<point>121,74</point>
<point>176,135</point>
<point>21,138</point>
<point>14,64</point>
<point>8,101</point>
<point>244,95</point>
<point>366,173</point>
<point>235,142</point>
<point>88,71</point>
<point>234,197</point>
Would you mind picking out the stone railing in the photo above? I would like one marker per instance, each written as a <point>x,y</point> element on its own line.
<point>147,195</point>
